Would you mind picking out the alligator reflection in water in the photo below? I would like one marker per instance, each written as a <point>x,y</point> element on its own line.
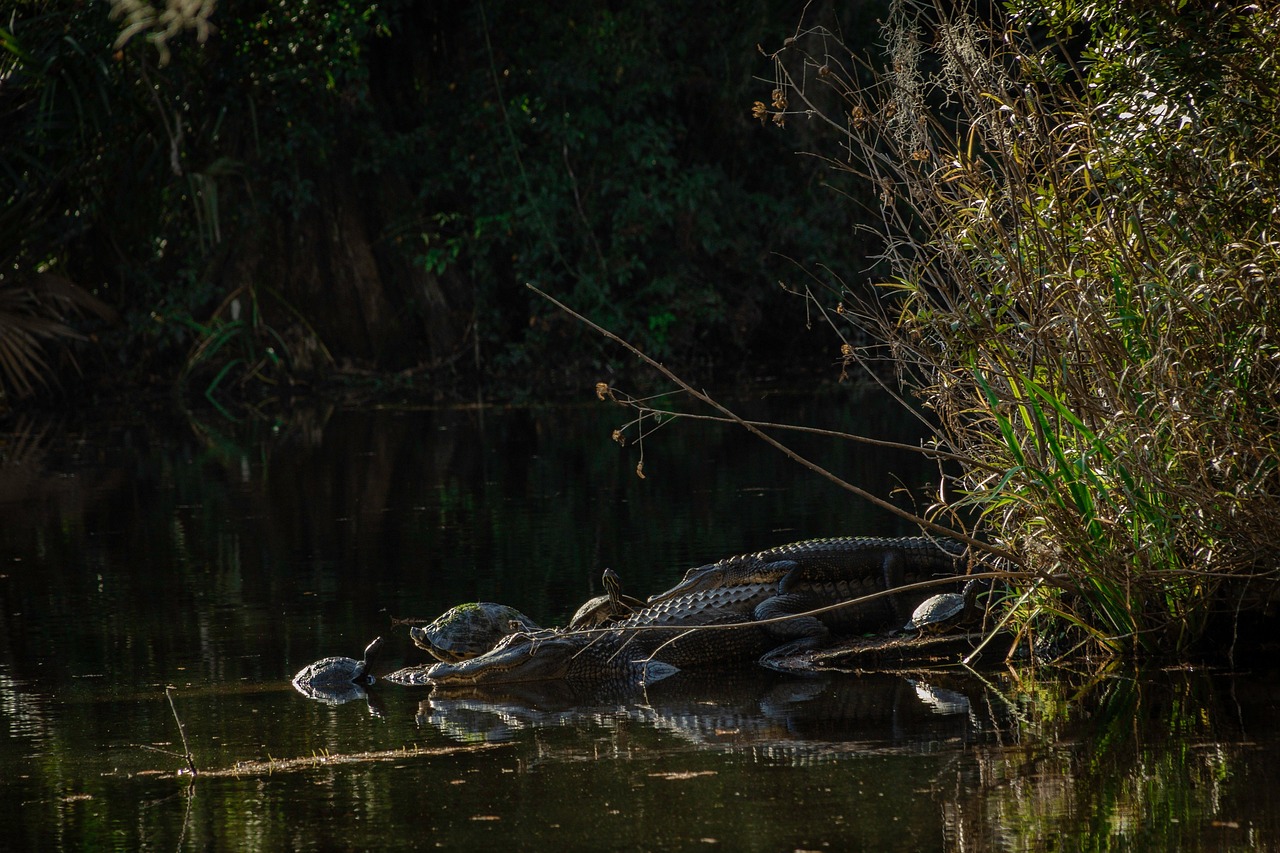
<point>767,716</point>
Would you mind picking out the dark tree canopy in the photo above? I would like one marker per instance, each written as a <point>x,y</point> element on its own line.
<point>303,186</point>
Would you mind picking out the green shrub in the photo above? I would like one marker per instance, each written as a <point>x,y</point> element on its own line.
<point>1085,263</point>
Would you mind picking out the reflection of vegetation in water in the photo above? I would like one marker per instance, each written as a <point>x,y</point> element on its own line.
<point>1132,760</point>
<point>1122,761</point>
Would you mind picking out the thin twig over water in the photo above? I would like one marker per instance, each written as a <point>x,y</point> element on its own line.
<point>182,730</point>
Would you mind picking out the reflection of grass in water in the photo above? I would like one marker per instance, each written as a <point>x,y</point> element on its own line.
<point>1079,766</point>
<point>1104,761</point>
<point>271,766</point>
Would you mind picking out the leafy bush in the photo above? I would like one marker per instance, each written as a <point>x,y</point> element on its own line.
<point>1084,290</point>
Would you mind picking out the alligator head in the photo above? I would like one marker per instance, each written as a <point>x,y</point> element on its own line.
<point>565,656</point>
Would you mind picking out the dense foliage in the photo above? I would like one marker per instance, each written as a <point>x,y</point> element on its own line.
<point>267,192</point>
<point>1080,205</point>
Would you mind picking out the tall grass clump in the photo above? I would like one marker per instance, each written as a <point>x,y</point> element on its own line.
<point>1082,280</point>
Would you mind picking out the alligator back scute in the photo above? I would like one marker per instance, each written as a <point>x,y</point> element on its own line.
<point>885,561</point>
<point>701,606</point>
<point>847,619</point>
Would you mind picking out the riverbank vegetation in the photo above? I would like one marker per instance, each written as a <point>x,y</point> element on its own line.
<point>1079,207</point>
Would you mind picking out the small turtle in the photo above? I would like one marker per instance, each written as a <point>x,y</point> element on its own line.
<point>338,672</point>
<point>945,609</point>
<point>469,630</point>
<point>604,609</point>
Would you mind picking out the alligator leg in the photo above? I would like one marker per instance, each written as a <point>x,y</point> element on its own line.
<point>797,633</point>
<point>795,596</point>
<point>893,572</point>
<point>804,632</point>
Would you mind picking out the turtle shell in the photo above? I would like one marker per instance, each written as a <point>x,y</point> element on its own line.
<point>338,671</point>
<point>937,611</point>
<point>330,672</point>
<point>604,609</point>
<point>593,612</point>
<point>469,630</point>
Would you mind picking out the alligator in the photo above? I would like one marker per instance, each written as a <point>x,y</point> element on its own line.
<point>726,611</point>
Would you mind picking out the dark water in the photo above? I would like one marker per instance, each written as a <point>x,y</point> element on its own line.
<point>220,559</point>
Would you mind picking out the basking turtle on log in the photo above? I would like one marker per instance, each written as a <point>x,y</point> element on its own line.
<point>947,609</point>
<point>468,630</point>
<point>471,629</point>
<point>603,609</point>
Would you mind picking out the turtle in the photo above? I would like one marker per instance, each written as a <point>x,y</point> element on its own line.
<point>945,609</point>
<point>603,609</point>
<point>337,673</point>
<point>469,630</point>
